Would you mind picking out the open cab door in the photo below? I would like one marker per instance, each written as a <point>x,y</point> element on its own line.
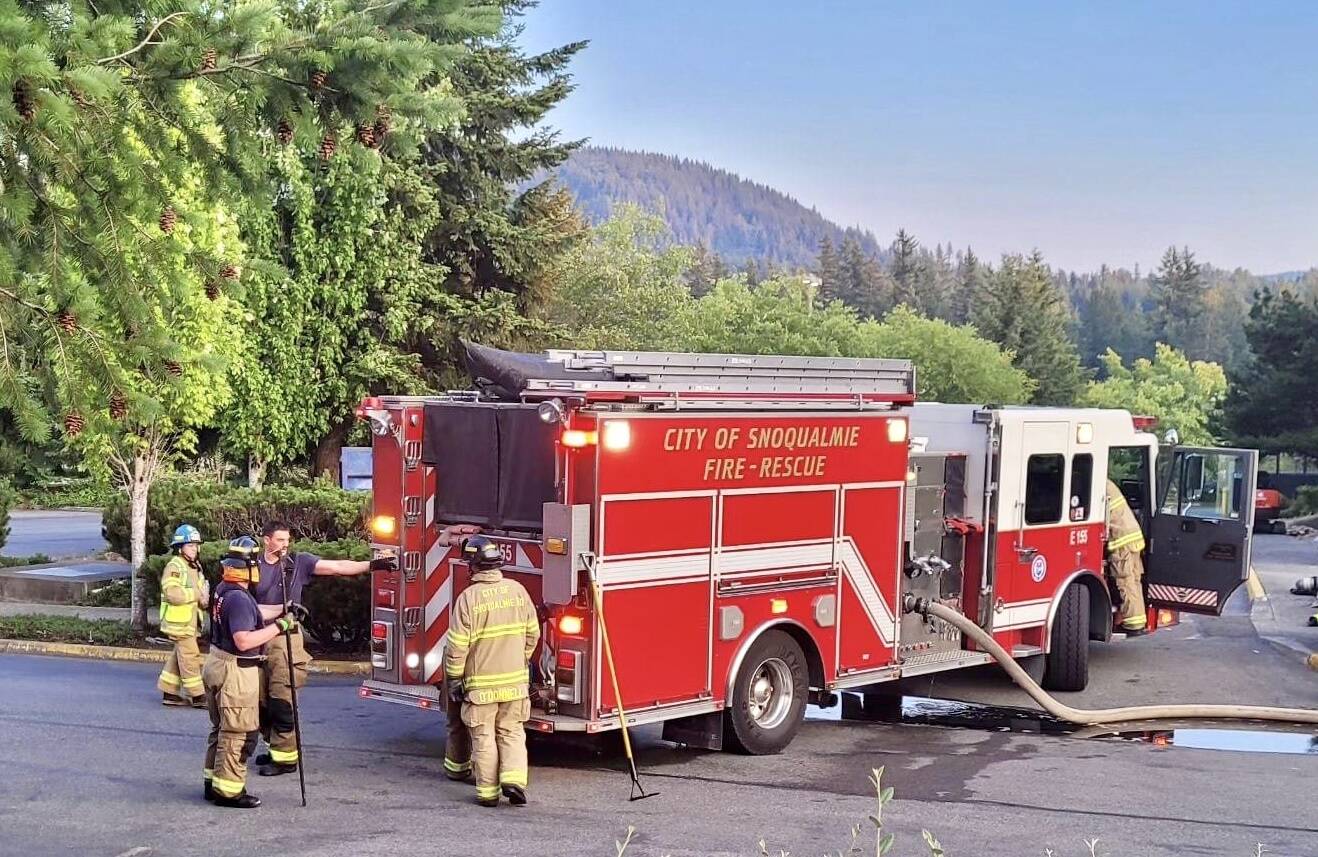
<point>1200,536</point>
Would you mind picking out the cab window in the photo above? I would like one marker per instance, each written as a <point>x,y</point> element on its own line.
<point>1082,485</point>
<point>1043,488</point>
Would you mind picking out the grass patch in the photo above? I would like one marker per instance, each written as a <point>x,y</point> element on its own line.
<point>70,629</point>
<point>16,561</point>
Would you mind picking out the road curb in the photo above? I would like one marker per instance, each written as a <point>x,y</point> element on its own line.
<point>159,656</point>
<point>1264,620</point>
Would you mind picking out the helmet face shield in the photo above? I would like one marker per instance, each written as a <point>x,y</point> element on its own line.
<point>237,570</point>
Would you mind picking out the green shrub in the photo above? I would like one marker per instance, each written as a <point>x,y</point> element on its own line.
<point>1305,502</point>
<point>116,593</point>
<point>340,606</point>
<point>68,493</point>
<point>15,561</point>
<point>67,629</point>
<point>320,512</point>
<point>7,498</point>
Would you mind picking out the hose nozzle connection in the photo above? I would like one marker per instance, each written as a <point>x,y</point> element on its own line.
<point>912,604</point>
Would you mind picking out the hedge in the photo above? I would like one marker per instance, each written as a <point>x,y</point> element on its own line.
<point>320,513</point>
<point>68,629</point>
<point>67,493</point>
<point>340,606</point>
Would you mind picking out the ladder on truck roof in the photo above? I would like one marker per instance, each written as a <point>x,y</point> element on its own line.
<point>676,380</point>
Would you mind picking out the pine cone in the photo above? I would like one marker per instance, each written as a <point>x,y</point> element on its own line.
<point>23,103</point>
<point>328,145</point>
<point>229,271</point>
<point>208,58</point>
<point>168,218</point>
<point>118,406</point>
<point>383,122</point>
<point>212,289</point>
<point>284,132</point>
<point>66,320</point>
<point>173,368</point>
<point>317,80</point>
<point>74,424</point>
<point>366,136</point>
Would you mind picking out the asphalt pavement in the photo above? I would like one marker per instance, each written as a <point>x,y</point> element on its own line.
<point>91,763</point>
<point>1282,618</point>
<point>58,533</point>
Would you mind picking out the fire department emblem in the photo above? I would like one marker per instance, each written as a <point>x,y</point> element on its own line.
<point>1039,568</point>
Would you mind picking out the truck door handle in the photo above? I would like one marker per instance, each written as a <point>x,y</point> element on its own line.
<point>1026,554</point>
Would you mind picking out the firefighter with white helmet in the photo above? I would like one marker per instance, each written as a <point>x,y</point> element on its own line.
<point>492,635</point>
<point>1125,546</point>
<point>184,592</point>
<point>232,676</point>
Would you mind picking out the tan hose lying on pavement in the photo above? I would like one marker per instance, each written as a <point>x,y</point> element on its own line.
<point>1111,715</point>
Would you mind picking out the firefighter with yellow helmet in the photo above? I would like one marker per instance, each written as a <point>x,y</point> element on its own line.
<point>232,676</point>
<point>492,635</point>
<point>1125,548</point>
<point>184,593</point>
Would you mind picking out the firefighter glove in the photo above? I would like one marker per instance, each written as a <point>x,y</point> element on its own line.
<point>456,692</point>
<point>285,624</point>
<point>384,563</point>
<point>299,613</point>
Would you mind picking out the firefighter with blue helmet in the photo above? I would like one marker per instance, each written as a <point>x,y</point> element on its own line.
<point>232,675</point>
<point>184,593</point>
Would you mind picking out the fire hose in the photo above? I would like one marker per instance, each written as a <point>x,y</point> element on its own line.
<point>1098,716</point>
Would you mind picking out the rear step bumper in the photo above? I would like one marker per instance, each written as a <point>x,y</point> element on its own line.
<point>428,697</point>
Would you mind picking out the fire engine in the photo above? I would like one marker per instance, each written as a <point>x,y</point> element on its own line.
<point>758,529</point>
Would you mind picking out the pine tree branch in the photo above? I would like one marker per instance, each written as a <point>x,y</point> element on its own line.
<point>144,42</point>
<point>16,298</point>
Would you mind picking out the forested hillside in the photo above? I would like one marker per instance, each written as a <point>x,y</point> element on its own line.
<point>737,219</point>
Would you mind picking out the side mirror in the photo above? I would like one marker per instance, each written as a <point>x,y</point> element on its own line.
<point>1171,438</point>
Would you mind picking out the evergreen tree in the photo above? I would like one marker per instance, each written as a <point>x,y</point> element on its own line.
<point>1026,314</point>
<point>968,289</point>
<point>829,268</point>
<point>1179,302</point>
<point>707,270</point>
<point>908,274</point>
<point>122,132</point>
<point>865,287</point>
<point>1272,405</point>
<point>1108,321</point>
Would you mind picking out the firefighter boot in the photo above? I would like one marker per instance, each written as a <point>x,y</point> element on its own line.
<point>516,795</point>
<point>208,790</point>
<point>171,699</point>
<point>240,801</point>
<point>276,769</point>
<point>262,759</point>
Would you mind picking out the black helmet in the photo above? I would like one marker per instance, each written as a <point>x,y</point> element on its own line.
<point>481,554</point>
<point>243,548</point>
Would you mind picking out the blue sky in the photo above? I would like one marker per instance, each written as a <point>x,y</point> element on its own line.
<point>1097,132</point>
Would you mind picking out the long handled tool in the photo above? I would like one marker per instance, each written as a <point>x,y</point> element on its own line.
<point>292,684</point>
<point>638,790</point>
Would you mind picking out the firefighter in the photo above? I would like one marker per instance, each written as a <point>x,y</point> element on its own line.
<point>232,676</point>
<point>281,581</point>
<point>1125,546</point>
<point>492,633</point>
<point>183,594</point>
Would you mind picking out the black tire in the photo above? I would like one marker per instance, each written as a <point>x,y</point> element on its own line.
<point>761,720</point>
<point>1035,666</point>
<point>1067,666</point>
<point>1279,527</point>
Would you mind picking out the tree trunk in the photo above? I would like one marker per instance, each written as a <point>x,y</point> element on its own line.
<point>327,456</point>
<point>137,497</point>
<point>256,469</point>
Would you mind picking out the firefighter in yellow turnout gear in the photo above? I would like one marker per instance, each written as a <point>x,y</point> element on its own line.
<point>1125,546</point>
<point>183,594</point>
<point>492,635</point>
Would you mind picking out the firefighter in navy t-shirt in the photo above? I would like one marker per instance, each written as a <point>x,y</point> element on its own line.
<point>232,676</point>
<point>281,580</point>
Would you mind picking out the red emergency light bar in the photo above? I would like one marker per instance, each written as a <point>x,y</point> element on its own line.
<point>1144,423</point>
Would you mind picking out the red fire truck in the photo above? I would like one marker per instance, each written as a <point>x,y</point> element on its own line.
<point>758,528</point>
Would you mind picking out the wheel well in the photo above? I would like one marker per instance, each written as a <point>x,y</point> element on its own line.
<point>807,644</point>
<point>1100,607</point>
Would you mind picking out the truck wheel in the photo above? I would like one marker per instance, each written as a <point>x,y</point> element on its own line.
<point>768,696</point>
<point>1068,661</point>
